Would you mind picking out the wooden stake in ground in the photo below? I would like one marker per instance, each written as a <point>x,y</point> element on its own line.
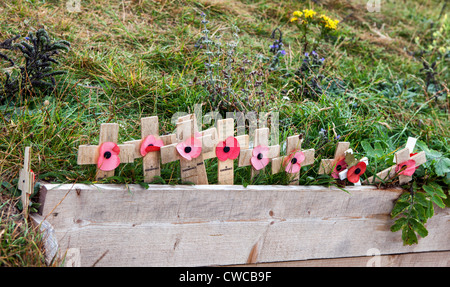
<point>261,153</point>
<point>227,150</point>
<point>406,164</point>
<point>26,181</point>
<point>295,158</point>
<point>107,155</point>
<point>337,164</point>
<point>148,147</point>
<point>189,150</point>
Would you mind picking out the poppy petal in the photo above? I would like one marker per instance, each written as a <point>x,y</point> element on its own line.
<point>149,144</point>
<point>260,149</point>
<point>292,167</point>
<point>152,148</point>
<point>108,156</point>
<point>410,167</point>
<point>340,166</point>
<point>300,156</point>
<point>259,163</point>
<point>354,173</point>
<point>190,148</point>
<point>235,149</point>
<point>220,153</point>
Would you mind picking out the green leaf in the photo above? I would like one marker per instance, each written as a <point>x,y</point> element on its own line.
<point>438,189</point>
<point>409,236</point>
<point>429,189</point>
<point>419,227</point>
<point>421,214</point>
<point>399,223</point>
<point>421,199</point>
<point>442,166</point>
<point>399,207</point>
<point>430,209</point>
<point>436,199</point>
<point>430,153</point>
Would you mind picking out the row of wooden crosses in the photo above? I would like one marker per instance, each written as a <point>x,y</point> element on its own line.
<point>191,147</point>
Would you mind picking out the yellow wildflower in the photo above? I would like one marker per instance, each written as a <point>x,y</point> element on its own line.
<point>294,19</point>
<point>297,14</point>
<point>309,13</point>
<point>328,22</point>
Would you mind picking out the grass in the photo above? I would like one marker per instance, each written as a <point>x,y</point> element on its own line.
<point>137,58</point>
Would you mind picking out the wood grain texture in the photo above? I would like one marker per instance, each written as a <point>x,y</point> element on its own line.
<point>26,181</point>
<point>221,225</point>
<point>419,259</point>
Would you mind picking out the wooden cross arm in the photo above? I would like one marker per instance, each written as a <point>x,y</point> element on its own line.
<point>246,155</point>
<point>243,141</point>
<point>208,146</point>
<point>88,154</point>
<point>390,172</point>
<point>167,139</point>
<point>277,163</point>
<point>169,153</point>
<point>327,165</point>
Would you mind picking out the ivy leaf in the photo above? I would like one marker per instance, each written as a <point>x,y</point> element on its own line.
<point>442,166</point>
<point>441,163</point>
<point>377,151</point>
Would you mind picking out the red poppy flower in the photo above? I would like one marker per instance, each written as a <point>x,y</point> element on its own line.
<point>294,161</point>
<point>149,144</point>
<point>356,171</point>
<point>340,166</point>
<point>190,148</point>
<point>259,158</point>
<point>108,158</point>
<point>228,149</point>
<point>406,168</point>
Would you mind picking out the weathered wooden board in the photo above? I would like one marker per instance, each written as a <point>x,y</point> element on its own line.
<point>418,259</point>
<point>224,225</point>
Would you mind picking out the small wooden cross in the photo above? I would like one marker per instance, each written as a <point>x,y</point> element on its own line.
<point>26,181</point>
<point>343,174</point>
<point>225,168</point>
<point>406,163</point>
<point>193,169</point>
<point>260,154</point>
<point>89,154</point>
<point>334,165</point>
<point>150,136</point>
<point>293,146</point>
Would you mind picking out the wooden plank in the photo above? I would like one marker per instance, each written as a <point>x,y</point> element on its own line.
<point>419,259</point>
<point>222,225</point>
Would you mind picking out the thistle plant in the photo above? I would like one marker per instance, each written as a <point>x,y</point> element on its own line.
<point>39,52</point>
<point>276,49</point>
<point>309,75</point>
<point>233,80</point>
